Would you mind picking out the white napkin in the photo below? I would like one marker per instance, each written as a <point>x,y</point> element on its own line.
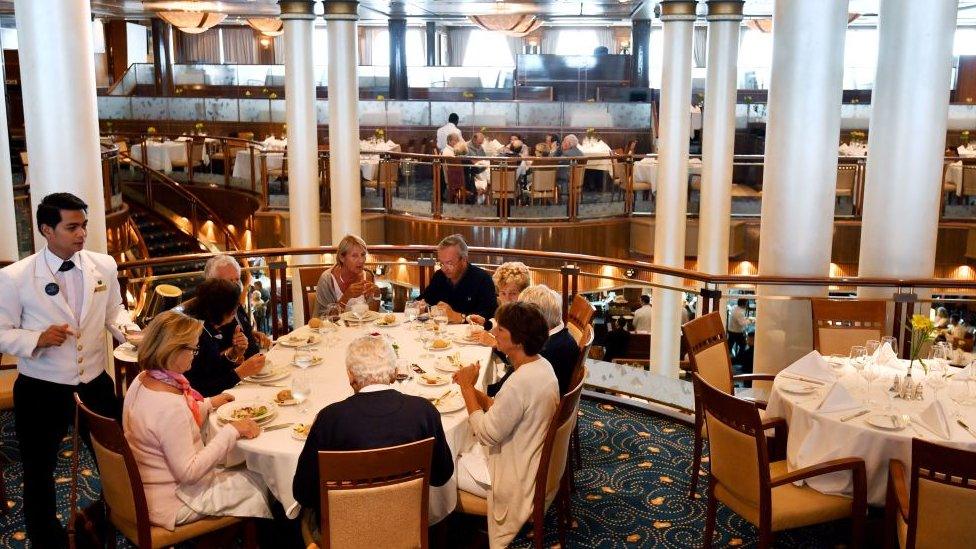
<point>969,372</point>
<point>884,355</point>
<point>934,418</point>
<point>812,366</point>
<point>838,399</point>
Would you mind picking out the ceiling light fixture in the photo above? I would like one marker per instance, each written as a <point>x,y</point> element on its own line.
<point>191,17</point>
<point>268,26</point>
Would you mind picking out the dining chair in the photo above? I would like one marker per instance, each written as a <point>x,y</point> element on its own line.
<point>709,357</point>
<point>125,497</point>
<point>309,277</point>
<point>578,317</point>
<point>968,181</point>
<point>385,177</point>
<point>943,491</point>
<point>838,324</point>
<point>621,176</point>
<point>577,174</point>
<point>454,176</point>
<point>764,493</point>
<point>373,498</point>
<point>846,175</point>
<point>544,185</point>
<point>8,376</point>
<point>579,376</point>
<point>551,482</point>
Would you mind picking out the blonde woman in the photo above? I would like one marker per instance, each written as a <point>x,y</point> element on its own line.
<point>348,278</point>
<point>510,279</point>
<point>162,417</point>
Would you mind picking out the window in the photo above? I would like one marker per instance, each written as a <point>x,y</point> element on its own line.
<point>576,42</point>
<point>487,49</point>
<point>380,47</point>
<point>860,58</point>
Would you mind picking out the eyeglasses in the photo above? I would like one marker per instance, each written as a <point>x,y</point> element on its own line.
<point>193,350</point>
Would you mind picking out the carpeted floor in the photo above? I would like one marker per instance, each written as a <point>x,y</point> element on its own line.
<point>631,491</point>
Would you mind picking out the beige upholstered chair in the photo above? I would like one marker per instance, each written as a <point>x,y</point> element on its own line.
<point>373,498</point>
<point>544,185</point>
<point>385,177</point>
<point>761,492</point>
<point>621,175</point>
<point>943,492</point>
<point>502,181</point>
<point>968,181</point>
<point>840,324</point>
<point>124,494</point>
<point>550,481</point>
<point>709,356</point>
<point>309,277</point>
<point>846,175</point>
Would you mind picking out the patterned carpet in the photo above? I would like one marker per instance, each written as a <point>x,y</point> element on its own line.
<point>631,491</point>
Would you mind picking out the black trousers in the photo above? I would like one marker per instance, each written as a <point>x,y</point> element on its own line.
<point>737,342</point>
<point>43,412</point>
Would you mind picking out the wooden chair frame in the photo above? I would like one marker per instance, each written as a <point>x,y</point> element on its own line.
<point>355,470</point>
<point>698,335</point>
<point>308,277</point>
<point>743,416</point>
<point>580,312</point>
<point>846,314</point>
<point>934,463</point>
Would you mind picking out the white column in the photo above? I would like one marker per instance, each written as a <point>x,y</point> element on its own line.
<point>303,177</point>
<point>800,174</point>
<point>57,71</point>
<point>343,119</point>
<point>678,17</point>
<point>904,176</point>
<point>718,136</point>
<point>8,215</point>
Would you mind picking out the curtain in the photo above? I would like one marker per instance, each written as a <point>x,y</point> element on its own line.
<point>240,48</point>
<point>700,46</point>
<point>278,46</point>
<point>515,44</point>
<point>604,37</point>
<point>196,48</point>
<point>457,45</point>
<point>549,40</point>
<point>367,38</point>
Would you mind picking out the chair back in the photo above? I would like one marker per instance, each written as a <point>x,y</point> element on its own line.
<point>969,180</point>
<point>503,181</point>
<point>840,324</point>
<point>943,489</point>
<point>543,180</point>
<point>585,344</point>
<point>196,152</point>
<point>576,175</point>
<point>632,146</point>
<point>737,447</point>
<point>376,498</point>
<point>619,172</point>
<point>246,135</point>
<point>454,175</point>
<point>309,277</point>
<point>845,177</point>
<point>555,449</point>
<point>580,314</point>
<point>122,485</point>
<point>708,350</point>
<point>389,172</point>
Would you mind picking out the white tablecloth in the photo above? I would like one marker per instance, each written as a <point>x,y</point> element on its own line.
<point>242,162</point>
<point>967,151</point>
<point>816,437</point>
<point>492,147</point>
<point>696,118</point>
<point>161,155</point>
<point>368,163</point>
<point>274,454</point>
<point>272,144</point>
<point>645,170</point>
<point>853,149</point>
<point>591,147</point>
<point>954,175</point>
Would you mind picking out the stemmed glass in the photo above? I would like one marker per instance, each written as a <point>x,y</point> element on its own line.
<point>426,336</point>
<point>440,317</point>
<point>412,310</point>
<point>301,389</point>
<point>891,340</point>
<point>938,370</point>
<point>871,348</point>
<point>858,357</point>
<point>870,373</point>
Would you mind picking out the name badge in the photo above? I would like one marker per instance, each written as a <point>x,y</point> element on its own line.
<point>100,287</point>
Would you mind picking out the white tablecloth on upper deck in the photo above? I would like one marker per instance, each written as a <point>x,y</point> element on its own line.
<point>645,170</point>
<point>242,162</point>
<point>967,151</point>
<point>369,159</point>
<point>954,175</point>
<point>853,149</point>
<point>816,437</point>
<point>274,454</point>
<point>161,155</point>
<point>596,147</point>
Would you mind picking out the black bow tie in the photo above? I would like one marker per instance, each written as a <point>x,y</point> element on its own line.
<point>66,266</point>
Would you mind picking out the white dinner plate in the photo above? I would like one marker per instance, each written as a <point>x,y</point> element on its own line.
<point>430,345</point>
<point>226,412</point>
<point>276,375</point>
<point>445,365</point>
<point>432,380</point>
<point>798,388</point>
<point>368,317</point>
<point>381,322</point>
<point>316,360</point>
<point>463,339</point>
<point>299,341</point>
<point>296,435</point>
<point>883,422</point>
<point>452,403</point>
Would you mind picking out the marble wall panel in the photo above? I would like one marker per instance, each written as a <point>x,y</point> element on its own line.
<point>495,114</point>
<point>255,110</point>
<point>322,111</point>
<point>150,108</point>
<point>222,110</point>
<point>545,115</point>
<point>372,113</point>
<point>187,108</point>
<point>278,111</point>
<point>412,113</point>
<point>440,110</point>
<point>630,115</point>
<point>114,108</point>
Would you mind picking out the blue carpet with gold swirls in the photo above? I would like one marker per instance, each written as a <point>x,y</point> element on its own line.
<point>632,490</point>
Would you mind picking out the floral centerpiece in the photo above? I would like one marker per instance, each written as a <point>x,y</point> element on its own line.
<point>381,98</point>
<point>923,330</point>
<point>964,136</point>
<point>151,130</point>
<point>379,134</point>
<point>198,127</point>
<point>857,136</point>
<point>272,95</point>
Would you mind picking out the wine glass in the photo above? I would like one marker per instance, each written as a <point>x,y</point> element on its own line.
<point>959,393</point>
<point>440,317</point>
<point>871,347</point>
<point>936,378</point>
<point>858,357</point>
<point>411,310</point>
<point>426,336</point>
<point>301,389</point>
<point>870,373</point>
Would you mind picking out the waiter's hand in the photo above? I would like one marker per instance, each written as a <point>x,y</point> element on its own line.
<point>240,341</point>
<point>54,336</point>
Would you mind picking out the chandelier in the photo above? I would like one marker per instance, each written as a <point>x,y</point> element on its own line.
<point>190,16</point>
<point>511,24</point>
<point>267,26</point>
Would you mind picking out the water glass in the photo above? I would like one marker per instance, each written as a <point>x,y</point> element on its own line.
<point>870,373</point>
<point>858,357</point>
<point>440,316</point>
<point>303,357</point>
<point>411,310</point>
<point>871,347</point>
<point>891,340</point>
<point>936,378</point>
<point>301,389</point>
<point>959,392</point>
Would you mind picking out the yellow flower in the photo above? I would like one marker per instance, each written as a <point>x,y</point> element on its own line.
<point>922,322</point>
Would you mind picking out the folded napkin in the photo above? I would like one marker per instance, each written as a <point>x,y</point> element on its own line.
<point>934,418</point>
<point>838,399</point>
<point>885,355</point>
<point>969,372</point>
<point>812,366</point>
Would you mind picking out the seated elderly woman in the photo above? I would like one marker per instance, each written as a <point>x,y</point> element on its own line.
<point>347,279</point>
<point>510,279</point>
<point>162,416</point>
<point>220,362</point>
<point>375,416</point>
<point>510,428</point>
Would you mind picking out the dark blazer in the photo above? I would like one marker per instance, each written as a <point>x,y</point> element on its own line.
<point>211,372</point>
<point>561,351</point>
<point>473,294</point>
<point>366,421</point>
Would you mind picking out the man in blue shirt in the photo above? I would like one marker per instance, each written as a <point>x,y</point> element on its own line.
<point>460,287</point>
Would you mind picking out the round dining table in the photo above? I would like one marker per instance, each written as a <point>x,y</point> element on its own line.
<point>274,453</point>
<point>863,429</point>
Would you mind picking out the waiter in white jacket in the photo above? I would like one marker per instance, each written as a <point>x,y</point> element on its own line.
<point>55,308</point>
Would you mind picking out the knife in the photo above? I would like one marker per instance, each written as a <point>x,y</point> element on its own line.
<point>965,426</point>
<point>854,415</point>
<point>278,426</point>
<point>799,378</point>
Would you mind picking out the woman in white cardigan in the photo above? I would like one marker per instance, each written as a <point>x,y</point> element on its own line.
<point>162,416</point>
<point>512,426</point>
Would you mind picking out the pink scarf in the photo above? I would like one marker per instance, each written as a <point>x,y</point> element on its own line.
<point>179,381</point>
